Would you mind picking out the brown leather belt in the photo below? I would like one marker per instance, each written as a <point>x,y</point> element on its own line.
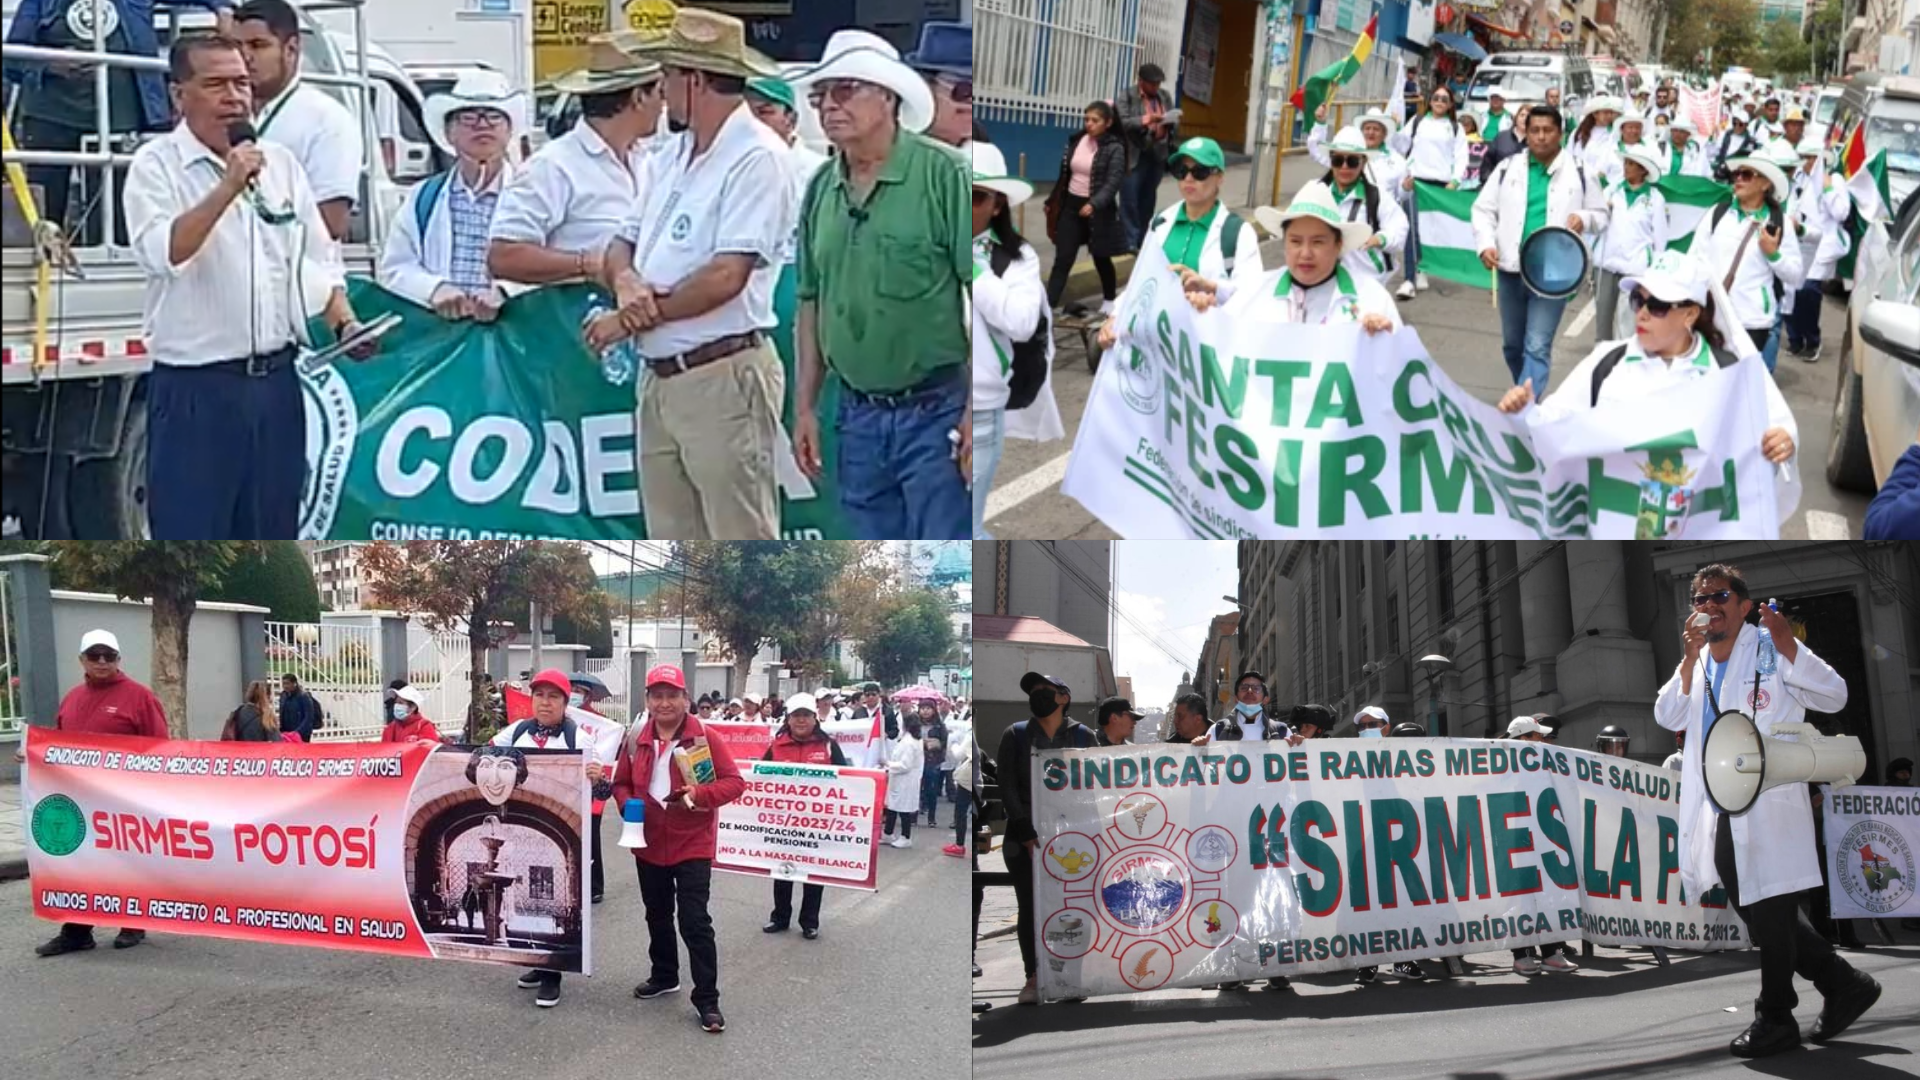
<point>717,349</point>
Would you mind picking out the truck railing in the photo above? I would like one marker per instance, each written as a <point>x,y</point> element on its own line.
<point>108,162</point>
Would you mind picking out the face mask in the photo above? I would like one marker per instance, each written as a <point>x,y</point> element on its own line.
<point>1371,733</point>
<point>576,699</point>
<point>1040,702</point>
<point>1247,710</point>
<point>401,711</point>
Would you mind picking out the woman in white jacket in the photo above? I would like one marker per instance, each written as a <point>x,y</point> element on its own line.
<point>436,252</point>
<point>1436,147</point>
<point>1360,198</point>
<point>906,759</point>
<point>1009,307</point>
<point>1818,209</point>
<point>1636,233</point>
<point>1747,246</point>
<point>1315,285</point>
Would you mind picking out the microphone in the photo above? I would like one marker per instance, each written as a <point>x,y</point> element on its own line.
<point>1700,619</point>
<point>240,133</point>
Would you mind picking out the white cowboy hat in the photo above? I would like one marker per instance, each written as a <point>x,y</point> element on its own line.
<point>1649,159</point>
<point>1681,123</point>
<point>476,89</point>
<point>1631,116</point>
<point>1602,103</point>
<point>870,58</point>
<point>1811,147</point>
<point>990,172</point>
<point>1316,201</point>
<point>1377,116</point>
<point>1350,141</point>
<point>1774,161</point>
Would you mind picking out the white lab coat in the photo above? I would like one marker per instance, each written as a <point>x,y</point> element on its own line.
<point>1773,847</point>
<point>414,264</point>
<point>906,759</point>
<point>1500,210</point>
<point>1386,169</point>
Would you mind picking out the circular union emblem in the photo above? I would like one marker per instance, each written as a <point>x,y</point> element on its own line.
<point>1874,865</point>
<point>682,225</point>
<point>59,828</point>
<point>1759,699</point>
<point>1139,382</point>
<point>80,18</point>
<point>1144,889</point>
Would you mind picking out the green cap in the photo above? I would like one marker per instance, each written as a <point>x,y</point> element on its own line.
<point>774,90</point>
<point>1202,151</point>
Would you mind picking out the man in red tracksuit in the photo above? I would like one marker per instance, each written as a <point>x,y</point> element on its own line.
<point>676,866</point>
<point>106,703</point>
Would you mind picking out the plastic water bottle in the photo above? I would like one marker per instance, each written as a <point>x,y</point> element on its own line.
<point>618,361</point>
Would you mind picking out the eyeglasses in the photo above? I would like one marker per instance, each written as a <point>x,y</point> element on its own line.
<point>1703,599</point>
<point>102,656</point>
<point>1182,170</point>
<point>1252,687</point>
<point>478,118</point>
<point>960,90</point>
<point>1349,161</point>
<point>1744,174</point>
<point>841,92</point>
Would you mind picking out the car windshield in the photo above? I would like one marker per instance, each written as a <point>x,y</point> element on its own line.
<point>1513,84</point>
<point>1823,108</point>
<point>431,85</point>
<point>1894,125</point>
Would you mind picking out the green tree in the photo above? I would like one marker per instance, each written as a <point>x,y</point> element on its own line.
<point>854,600</point>
<point>1727,32</point>
<point>752,593</point>
<point>911,632</point>
<point>276,578</point>
<point>1784,55</point>
<point>172,576</point>
<point>595,631</point>
<point>480,588</point>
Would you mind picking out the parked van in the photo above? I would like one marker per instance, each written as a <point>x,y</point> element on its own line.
<point>1525,78</point>
<point>1890,106</point>
<point>399,113</point>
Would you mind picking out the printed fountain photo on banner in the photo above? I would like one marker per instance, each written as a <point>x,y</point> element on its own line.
<point>495,858</point>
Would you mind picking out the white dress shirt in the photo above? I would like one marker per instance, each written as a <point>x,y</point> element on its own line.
<point>802,162</point>
<point>323,135</point>
<point>573,194</point>
<point>737,198</point>
<point>251,287</point>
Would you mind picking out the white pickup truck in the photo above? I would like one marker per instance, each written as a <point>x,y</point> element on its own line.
<point>73,455</point>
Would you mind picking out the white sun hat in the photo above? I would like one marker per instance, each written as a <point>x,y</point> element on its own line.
<point>1681,123</point>
<point>1316,201</point>
<point>1673,277</point>
<point>476,89</point>
<point>870,58</point>
<point>1601,103</point>
<point>1649,159</point>
<point>1376,116</point>
<point>1350,141</point>
<point>1774,161</point>
<point>990,172</point>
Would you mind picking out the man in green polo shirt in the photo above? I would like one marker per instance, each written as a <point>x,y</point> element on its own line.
<point>884,256</point>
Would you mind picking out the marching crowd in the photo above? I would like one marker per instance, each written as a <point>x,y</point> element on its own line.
<point>1745,278</point>
<point>683,193</point>
<point>926,739</point>
<point>1726,634</point>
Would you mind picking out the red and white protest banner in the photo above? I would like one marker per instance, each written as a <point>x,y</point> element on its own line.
<point>862,741</point>
<point>409,848</point>
<point>817,824</point>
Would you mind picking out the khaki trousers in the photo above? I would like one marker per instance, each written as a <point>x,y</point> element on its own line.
<point>706,449</point>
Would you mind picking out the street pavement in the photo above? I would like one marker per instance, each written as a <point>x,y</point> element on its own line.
<point>1458,326</point>
<point>1618,1016</point>
<point>879,996</point>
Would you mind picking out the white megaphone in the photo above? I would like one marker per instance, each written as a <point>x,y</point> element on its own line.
<point>633,834</point>
<point>1739,763</point>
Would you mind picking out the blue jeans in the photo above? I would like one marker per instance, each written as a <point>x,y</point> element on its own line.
<point>1768,342</point>
<point>989,439</point>
<point>1803,326</point>
<point>1137,196</point>
<point>898,478</point>
<point>1527,326</point>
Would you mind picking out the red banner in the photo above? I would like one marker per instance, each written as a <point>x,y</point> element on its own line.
<point>401,848</point>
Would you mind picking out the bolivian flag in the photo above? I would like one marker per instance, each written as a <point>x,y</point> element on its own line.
<point>1319,87</point>
<point>1866,176</point>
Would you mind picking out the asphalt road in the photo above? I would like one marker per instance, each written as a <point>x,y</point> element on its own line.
<point>1457,324</point>
<point>1619,1016</point>
<point>879,996</point>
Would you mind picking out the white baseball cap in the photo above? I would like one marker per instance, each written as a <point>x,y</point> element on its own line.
<point>1526,725</point>
<point>755,698</point>
<point>98,637</point>
<point>1374,711</point>
<point>408,693</point>
<point>802,703</point>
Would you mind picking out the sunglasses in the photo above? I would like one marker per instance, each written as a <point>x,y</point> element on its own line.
<point>1744,174</point>
<point>840,92</point>
<point>1721,597</point>
<point>1654,306</point>
<point>1182,170</point>
<point>960,90</point>
<point>1349,161</point>
<point>1369,724</point>
<point>101,656</point>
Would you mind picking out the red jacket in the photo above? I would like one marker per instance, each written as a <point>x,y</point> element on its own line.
<point>413,727</point>
<point>674,833</point>
<point>118,706</point>
<point>819,750</point>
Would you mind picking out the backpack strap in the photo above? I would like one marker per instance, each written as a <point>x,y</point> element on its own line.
<point>999,258</point>
<point>427,198</point>
<point>1605,368</point>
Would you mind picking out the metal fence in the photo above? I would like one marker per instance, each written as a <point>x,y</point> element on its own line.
<point>1040,60</point>
<point>441,668</point>
<point>612,671</point>
<point>12,706</point>
<point>340,667</point>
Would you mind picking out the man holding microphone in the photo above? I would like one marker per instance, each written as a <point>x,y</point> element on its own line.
<point>1765,857</point>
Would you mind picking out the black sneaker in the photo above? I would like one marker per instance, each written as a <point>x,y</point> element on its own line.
<point>62,944</point>
<point>127,939</point>
<point>774,927</point>
<point>1410,970</point>
<point>549,994</point>
<point>810,932</point>
<point>650,989</point>
<point>530,980</point>
<point>712,1022</point>
<point>597,897</point>
<point>1365,974</point>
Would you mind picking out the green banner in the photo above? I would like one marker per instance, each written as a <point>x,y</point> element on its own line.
<point>467,430</point>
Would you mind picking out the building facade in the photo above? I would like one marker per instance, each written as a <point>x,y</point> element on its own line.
<point>1219,667</point>
<point>1065,583</point>
<point>336,572</point>
<point>1587,631</point>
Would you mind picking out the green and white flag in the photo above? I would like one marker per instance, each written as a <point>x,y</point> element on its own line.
<point>1689,198</point>
<point>1446,235</point>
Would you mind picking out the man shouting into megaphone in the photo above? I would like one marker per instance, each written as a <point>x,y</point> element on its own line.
<point>1766,857</point>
